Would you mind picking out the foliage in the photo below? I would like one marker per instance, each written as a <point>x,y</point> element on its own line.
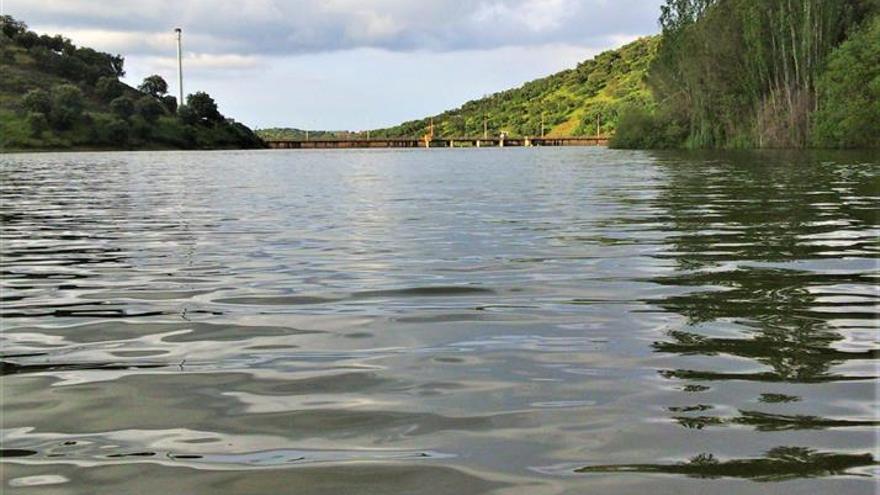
<point>170,103</point>
<point>204,108</point>
<point>187,115</point>
<point>38,123</point>
<point>148,108</point>
<point>154,86</point>
<point>745,73</point>
<point>644,128</point>
<point>122,107</point>
<point>109,88</point>
<point>73,99</point>
<point>67,106</point>
<point>37,101</point>
<point>568,103</point>
<point>849,93</point>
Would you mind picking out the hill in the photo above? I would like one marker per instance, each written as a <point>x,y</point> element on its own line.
<point>56,95</point>
<point>570,102</point>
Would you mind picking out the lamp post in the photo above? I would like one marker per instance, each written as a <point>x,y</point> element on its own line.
<point>179,33</point>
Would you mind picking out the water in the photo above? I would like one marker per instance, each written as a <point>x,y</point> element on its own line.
<point>470,321</point>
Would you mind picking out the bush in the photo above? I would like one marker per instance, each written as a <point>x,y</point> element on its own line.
<point>849,93</point>
<point>38,123</point>
<point>640,128</point>
<point>187,116</point>
<point>170,103</point>
<point>149,109</point>
<point>67,106</point>
<point>122,107</point>
<point>141,128</point>
<point>204,107</point>
<point>37,101</point>
<point>108,88</point>
<point>117,132</point>
<point>154,86</point>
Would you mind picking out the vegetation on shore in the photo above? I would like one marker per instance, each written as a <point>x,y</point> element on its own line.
<point>762,74</point>
<point>55,95</point>
<point>570,103</point>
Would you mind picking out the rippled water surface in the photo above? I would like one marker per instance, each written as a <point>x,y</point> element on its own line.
<point>507,321</point>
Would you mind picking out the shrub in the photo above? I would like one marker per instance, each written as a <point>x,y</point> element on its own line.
<point>122,107</point>
<point>38,123</point>
<point>108,88</point>
<point>117,132</point>
<point>187,115</point>
<point>849,93</point>
<point>154,86</point>
<point>37,101</point>
<point>149,109</point>
<point>170,103</point>
<point>67,106</point>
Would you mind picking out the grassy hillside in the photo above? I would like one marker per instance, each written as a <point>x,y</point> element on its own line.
<point>569,101</point>
<point>55,95</point>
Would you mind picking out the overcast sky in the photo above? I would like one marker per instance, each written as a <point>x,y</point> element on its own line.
<point>345,64</point>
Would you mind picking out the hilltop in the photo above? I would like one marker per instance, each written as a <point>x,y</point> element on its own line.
<point>570,102</point>
<point>56,95</point>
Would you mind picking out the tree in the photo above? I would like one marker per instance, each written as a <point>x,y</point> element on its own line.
<point>122,107</point>
<point>849,114</point>
<point>38,101</point>
<point>186,115</point>
<point>117,132</point>
<point>154,86</point>
<point>108,88</point>
<point>149,109</point>
<point>67,105</point>
<point>38,123</point>
<point>204,107</point>
<point>170,103</point>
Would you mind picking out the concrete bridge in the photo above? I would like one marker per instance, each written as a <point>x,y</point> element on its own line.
<point>459,142</point>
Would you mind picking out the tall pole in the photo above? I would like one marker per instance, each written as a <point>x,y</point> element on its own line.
<point>542,124</point>
<point>179,32</point>
<point>485,127</point>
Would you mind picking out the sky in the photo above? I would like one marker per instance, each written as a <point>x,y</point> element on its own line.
<point>344,64</point>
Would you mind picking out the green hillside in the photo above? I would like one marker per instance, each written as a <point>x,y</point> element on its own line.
<point>55,95</point>
<point>570,102</point>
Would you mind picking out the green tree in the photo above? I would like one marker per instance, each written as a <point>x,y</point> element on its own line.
<point>149,109</point>
<point>187,116</point>
<point>67,106</point>
<point>117,132</point>
<point>108,88</point>
<point>122,107</point>
<point>154,86</point>
<point>204,107</point>
<point>170,103</point>
<point>849,90</point>
<point>38,101</point>
<point>38,123</point>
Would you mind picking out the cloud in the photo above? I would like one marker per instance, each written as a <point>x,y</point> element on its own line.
<point>281,27</point>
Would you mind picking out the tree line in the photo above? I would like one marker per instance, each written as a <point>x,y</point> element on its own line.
<point>85,100</point>
<point>762,73</point>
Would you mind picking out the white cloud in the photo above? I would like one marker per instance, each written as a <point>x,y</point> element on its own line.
<point>312,26</point>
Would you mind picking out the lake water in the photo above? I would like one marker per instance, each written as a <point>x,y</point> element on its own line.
<point>447,321</point>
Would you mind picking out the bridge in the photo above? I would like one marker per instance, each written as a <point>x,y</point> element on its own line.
<point>434,142</point>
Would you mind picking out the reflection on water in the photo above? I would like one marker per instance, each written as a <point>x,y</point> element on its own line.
<point>779,464</point>
<point>510,321</point>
